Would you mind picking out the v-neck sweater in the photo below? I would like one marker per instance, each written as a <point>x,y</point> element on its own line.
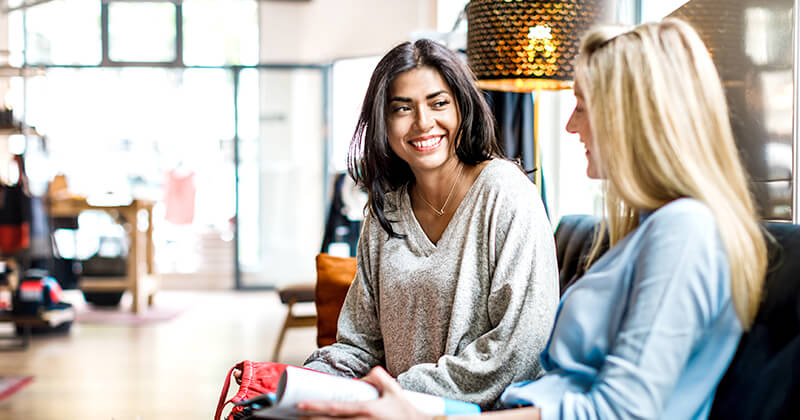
<point>462,318</point>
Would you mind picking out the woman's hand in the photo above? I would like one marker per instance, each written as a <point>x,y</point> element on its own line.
<point>391,405</point>
<point>237,375</point>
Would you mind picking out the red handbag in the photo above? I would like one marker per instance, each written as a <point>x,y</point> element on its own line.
<point>258,378</point>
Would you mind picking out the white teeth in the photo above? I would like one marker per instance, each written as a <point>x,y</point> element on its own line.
<point>427,143</point>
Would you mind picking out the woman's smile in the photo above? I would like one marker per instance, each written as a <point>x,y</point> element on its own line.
<point>427,143</point>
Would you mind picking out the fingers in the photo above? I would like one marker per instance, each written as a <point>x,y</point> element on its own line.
<point>237,375</point>
<point>380,379</point>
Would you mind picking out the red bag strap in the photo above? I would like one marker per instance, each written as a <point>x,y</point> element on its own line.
<point>248,374</point>
<point>247,369</point>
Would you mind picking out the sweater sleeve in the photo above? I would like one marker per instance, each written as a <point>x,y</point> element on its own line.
<point>523,297</point>
<point>359,343</point>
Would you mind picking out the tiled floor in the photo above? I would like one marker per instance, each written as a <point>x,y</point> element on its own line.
<point>168,370</point>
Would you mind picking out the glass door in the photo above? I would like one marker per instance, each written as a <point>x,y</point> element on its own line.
<point>281,174</point>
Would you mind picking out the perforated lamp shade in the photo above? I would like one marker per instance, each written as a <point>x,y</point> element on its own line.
<point>524,46</point>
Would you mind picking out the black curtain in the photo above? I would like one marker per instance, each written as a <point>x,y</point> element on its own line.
<point>514,114</point>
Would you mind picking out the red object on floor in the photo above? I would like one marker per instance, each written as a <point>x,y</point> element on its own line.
<point>11,384</point>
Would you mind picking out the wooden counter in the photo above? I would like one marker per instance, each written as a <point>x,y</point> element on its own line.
<point>141,280</point>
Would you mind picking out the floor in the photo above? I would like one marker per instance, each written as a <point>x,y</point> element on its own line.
<point>169,370</point>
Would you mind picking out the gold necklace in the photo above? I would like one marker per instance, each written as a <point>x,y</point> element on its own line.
<point>440,212</point>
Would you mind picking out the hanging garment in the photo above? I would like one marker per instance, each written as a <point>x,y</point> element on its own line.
<point>179,194</point>
<point>344,217</point>
<point>15,214</point>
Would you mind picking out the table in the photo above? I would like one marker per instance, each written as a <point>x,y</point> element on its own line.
<point>141,280</point>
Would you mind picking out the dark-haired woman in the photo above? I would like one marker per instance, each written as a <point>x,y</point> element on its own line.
<point>457,283</point>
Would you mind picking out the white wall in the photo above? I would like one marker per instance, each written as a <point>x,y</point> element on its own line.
<point>322,30</point>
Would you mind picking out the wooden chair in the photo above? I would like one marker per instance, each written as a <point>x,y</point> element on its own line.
<point>290,295</point>
<point>334,275</point>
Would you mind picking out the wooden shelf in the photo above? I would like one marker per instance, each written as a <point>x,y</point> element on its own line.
<point>103,284</point>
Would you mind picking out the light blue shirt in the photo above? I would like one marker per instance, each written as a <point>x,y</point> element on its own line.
<point>648,331</point>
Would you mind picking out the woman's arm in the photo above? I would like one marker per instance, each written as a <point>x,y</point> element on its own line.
<point>393,405</point>
<point>359,344</point>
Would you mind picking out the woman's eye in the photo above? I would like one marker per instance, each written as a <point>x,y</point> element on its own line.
<point>439,104</point>
<point>401,108</point>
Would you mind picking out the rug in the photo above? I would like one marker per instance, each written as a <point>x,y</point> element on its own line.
<point>9,384</point>
<point>123,316</point>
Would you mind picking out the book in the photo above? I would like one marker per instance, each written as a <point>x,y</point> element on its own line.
<point>299,384</point>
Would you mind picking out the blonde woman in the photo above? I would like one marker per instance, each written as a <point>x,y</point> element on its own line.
<point>652,326</point>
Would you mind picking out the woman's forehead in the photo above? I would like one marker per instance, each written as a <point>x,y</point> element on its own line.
<point>422,81</point>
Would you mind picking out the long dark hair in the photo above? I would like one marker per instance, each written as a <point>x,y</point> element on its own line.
<point>372,163</point>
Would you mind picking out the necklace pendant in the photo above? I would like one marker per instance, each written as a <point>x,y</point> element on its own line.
<point>440,212</point>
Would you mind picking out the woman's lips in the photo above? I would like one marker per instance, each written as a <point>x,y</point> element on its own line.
<point>426,143</point>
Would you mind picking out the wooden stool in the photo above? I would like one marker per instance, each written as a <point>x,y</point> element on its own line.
<point>300,293</point>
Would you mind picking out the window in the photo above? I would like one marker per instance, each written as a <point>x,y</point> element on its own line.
<point>220,32</point>
<point>142,32</point>
<point>60,32</point>
<point>350,80</point>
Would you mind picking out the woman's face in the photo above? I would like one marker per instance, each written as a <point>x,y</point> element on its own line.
<point>579,124</point>
<point>422,120</point>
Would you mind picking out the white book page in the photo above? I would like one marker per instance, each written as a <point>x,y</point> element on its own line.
<point>299,384</point>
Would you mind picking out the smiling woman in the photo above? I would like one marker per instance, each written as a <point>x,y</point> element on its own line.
<point>456,284</point>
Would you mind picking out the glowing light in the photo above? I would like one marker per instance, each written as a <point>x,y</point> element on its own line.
<point>539,32</point>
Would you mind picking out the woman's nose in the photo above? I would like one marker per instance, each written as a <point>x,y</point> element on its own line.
<point>571,126</point>
<point>424,119</point>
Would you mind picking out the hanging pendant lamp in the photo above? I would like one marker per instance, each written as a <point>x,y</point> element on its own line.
<point>524,46</point>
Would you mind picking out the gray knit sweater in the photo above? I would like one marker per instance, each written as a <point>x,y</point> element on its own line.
<point>462,318</point>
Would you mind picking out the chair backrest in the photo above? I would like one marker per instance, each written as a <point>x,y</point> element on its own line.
<point>574,236</point>
<point>763,380</point>
<point>334,275</point>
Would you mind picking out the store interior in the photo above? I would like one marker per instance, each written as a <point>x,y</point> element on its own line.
<point>183,162</point>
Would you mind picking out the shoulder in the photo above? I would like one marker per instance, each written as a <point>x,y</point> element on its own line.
<point>508,196</point>
<point>682,226</point>
<point>684,216</point>
<point>503,169</point>
<point>505,177</point>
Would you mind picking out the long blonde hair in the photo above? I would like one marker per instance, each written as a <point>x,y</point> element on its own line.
<point>660,122</point>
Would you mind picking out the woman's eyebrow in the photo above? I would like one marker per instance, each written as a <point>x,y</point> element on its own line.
<point>435,94</point>
<point>404,99</point>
